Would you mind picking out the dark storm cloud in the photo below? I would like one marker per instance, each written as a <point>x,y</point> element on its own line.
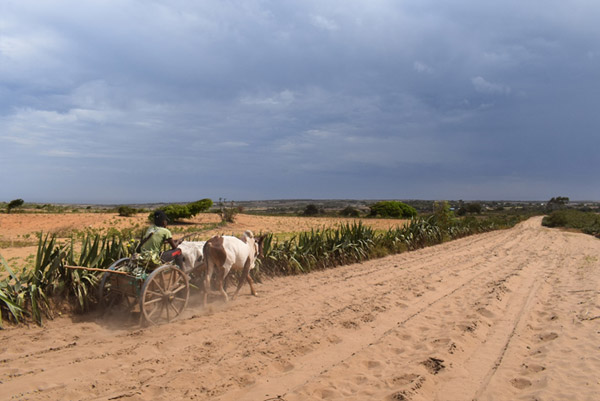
<point>142,101</point>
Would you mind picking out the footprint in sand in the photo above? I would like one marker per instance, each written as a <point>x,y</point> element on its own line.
<point>548,337</point>
<point>326,393</point>
<point>372,364</point>
<point>468,326</point>
<point>334,339</point>
<point>398,396</point>
<point>520,383</point>
<point>533,368</point>
<point>367,318</point>
<point>349,324</point>
<point>486,313</point>
<point>360,379</point>
<point>405,379</point>
<point>284,366</point>
<point>434,365</point>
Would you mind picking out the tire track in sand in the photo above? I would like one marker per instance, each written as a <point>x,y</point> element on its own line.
<point>309,368</point>
<point>413,326</point>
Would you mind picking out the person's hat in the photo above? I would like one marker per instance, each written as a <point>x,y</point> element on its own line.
<point>159,216</point>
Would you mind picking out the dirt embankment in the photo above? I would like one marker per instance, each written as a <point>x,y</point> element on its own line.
<point>507,315</point>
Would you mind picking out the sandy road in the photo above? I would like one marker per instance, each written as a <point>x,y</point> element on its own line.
<point>507,315</point>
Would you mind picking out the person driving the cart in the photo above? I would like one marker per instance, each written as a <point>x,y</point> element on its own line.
<point>157,235</point>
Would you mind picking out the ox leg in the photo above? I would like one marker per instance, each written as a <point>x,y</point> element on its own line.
<point>245,274</point>
<point>220,279</point>
<point>209,272</point>
<point>251,283</point>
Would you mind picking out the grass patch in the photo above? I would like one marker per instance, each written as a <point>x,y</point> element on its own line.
<point>586,222</point>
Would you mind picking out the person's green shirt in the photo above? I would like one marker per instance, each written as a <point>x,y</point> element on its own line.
<point>158,238</point>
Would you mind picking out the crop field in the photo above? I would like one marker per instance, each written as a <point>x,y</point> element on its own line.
<point>18,232</point>
<point>508,314</point>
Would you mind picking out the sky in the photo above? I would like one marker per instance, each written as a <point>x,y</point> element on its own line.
<point>140,101</point>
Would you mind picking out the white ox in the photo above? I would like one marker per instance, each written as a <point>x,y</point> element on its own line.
<point>192,254</point>
<point>224,253</point>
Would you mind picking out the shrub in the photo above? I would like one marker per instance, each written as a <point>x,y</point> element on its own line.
<point>28,295</point>
<point>177,212</point>
<point>311,210</point>
<point>392,209</point>
<point>200,206</point>
<point>557,203</point>
<point>350,211</point>
<point>469,208</point>
<point>13,204</point>
<point>442,215</point>
<point>588,222</point>
<point>126,211</point>
<point>228,213</point>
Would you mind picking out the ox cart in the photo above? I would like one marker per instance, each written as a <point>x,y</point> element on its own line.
<point>159,293</point>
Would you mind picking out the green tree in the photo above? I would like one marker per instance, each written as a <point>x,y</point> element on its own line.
<point>470,208</point>
<point>558,202</point>
<point>13,204</point>
<point>126,211</point>
<point>199,206</point>
<point>392,209</point>
<point>443,216</point>
<point>177,212</point>
<point>350,211</point>
<point>228,213</point>
<point>311,210</point>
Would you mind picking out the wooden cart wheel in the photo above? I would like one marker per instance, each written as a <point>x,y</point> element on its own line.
<point>164,294</point>
<point>107,298</point>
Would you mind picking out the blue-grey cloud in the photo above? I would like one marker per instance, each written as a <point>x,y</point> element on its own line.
<point>122,101</point>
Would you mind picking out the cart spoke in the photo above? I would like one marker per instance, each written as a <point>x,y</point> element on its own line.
<point>177,311</point>
<point>159,309</point>
<point>182,287</point>
<point>152,301</point>
<point>171,276</point>
<point>158,285</point>
<point>166,276</point>
<point>164,295</point>
<point>154,293</point>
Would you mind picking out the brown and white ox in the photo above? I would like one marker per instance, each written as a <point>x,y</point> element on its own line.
<point>225,253</point>
<point>192,255</point>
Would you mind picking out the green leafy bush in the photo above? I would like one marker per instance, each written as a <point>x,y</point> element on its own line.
<point>350,211</point>
<point>587,222</point>
<point>349,243</point>
<point>311,210</point>
<point>13,204</point>
<point>200,206</point>
<point>470,208</point>
<point>29,294</point>
<point>228,213</point>
<point>177,212</point>
<point>127,211</point>
<point>393,209</point>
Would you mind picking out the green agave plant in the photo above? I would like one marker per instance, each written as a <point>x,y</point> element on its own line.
<point>28,294</point>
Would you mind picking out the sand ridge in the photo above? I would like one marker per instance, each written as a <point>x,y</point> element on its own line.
<point>506,315</point>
